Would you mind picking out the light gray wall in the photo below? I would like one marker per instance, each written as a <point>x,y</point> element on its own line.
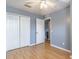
<point>61,28</point>
<point>33,21</point>
<point>18,11</point>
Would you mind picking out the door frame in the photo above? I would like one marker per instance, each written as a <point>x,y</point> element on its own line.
<point>46,18</point>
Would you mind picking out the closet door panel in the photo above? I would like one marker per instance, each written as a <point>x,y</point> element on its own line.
<point>12,31</point>
<point>24,31</point>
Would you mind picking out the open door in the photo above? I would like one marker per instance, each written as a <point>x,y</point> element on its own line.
<point>40,31</point>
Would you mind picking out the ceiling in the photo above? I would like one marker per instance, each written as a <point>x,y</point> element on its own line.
<point>53,6</point>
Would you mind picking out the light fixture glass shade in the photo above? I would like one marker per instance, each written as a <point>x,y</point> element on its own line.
<point>43,4</point>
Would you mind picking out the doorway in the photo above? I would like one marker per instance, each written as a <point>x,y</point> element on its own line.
<point>47,30</point>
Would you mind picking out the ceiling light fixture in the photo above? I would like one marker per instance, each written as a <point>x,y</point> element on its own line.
<point>43,4</point>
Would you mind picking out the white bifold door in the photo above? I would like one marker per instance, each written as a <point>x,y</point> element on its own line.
<point>24,31</point>
<point>12,31</point>
<point>40,31</point>
<point>17,31</point>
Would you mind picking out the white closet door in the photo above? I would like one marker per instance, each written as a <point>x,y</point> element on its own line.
<point>12,31</point>
<point>40,31</point>
<point>24,31</point>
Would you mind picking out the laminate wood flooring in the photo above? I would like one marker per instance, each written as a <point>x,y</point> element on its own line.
<point>41,51</point>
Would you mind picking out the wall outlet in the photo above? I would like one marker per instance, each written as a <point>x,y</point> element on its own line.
<point>62,43</point>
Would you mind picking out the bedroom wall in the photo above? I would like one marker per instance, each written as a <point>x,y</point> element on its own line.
<point>61,28</point>
<point>33,21</point>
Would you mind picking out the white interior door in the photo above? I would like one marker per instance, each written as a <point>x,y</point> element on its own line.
<point>40,31</point>
<point>24,31</point>
<point>12,31</point>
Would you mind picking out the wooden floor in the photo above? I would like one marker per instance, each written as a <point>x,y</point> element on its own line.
<point>41,51</point>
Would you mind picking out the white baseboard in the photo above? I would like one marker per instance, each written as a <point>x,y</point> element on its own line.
<point>61,48</point>
<point>32,44</point>
<point>39,43</point>
<point>36,43</point>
